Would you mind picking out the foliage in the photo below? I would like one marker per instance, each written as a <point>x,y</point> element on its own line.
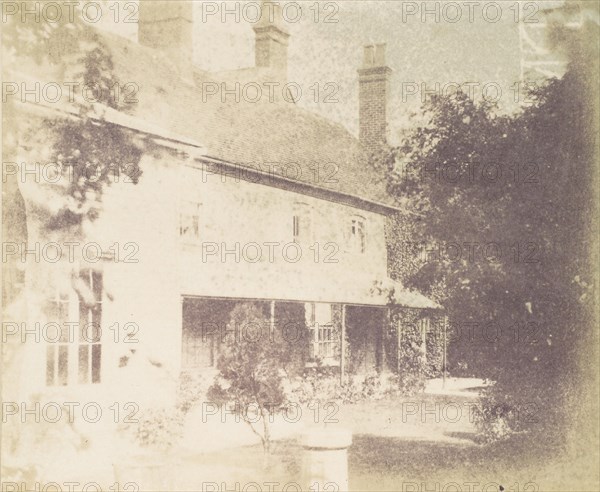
<point>252,369</point>
<point>500,414</point>
<point>92,155</point>
<point>322,384</point>
<point>156,429</point>
<point>89,149</point>
<point>495,420</point>
<point>413,356</point>
<point>470,178</point>
<point>192,387</point>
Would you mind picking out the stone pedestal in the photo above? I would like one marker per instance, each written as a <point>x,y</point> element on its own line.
<point>325,459</point>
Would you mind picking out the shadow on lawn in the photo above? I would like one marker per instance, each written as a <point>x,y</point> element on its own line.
<point>381,463</point>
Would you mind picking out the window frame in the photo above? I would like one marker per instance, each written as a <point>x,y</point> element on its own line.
<point>90,315</point>
<point>357,243</point>
<point>302,210</point>
<point>60,304</point>
<point>191,220</point>
<point>323,343</point>
<point>64,358</point>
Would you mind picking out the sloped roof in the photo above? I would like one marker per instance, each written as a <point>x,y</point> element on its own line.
<point>390,290</point>
<point>273,136</point>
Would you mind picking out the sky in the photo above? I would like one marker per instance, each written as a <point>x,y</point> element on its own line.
<point>456,43</point>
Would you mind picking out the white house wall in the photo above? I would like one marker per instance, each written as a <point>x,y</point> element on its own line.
<point>237,220</point>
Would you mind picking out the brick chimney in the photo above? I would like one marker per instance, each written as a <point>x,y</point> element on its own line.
<point>271,40</point>
<point>168,26</point>
<point>374,84</point>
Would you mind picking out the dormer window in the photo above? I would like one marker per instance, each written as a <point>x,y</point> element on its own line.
<point>357,235</point>
<point>189,220</point>
<point>302,223</point>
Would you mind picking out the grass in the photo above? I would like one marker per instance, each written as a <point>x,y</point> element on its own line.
<point>377,464</point>
<point>389,452</point>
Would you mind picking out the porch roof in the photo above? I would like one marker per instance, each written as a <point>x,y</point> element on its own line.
<point>414,299</point>
<point>379,294</point>
<point>393,290</point>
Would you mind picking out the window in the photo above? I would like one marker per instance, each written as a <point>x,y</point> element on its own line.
<point>322,333</point>
<point>302,223</point>
<point>57,351</point>
<point>189,220</point>
<point>90,320</point>
<point>75,351</point>
<point>199,350</point>
<point>357,236</point>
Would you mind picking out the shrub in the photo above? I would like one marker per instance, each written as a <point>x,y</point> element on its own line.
<point>156,429</point>
<point>193,385</point>
<point>412,361</point>
<point>251,372</point>
<point>496,417</point>
<point>323,384</point>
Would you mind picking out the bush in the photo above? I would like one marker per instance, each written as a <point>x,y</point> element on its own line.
<point>412,362</point>
<point>534,410</point>
<point>251,372</point>
<point>497,416</point>
<point>193,386</point>
<point>156,429</point>
<point>323,384</point>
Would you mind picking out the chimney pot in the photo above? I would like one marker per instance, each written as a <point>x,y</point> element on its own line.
<point>374,55</point>
<point>369,59</point>
<point>380,55</point>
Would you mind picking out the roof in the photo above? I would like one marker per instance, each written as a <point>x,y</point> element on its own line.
<point>243,133</point>
<point>273,136</point>
<point>391,291</point>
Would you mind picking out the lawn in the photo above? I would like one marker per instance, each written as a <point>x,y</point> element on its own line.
<point>375,464</point>
<point>400,444</point>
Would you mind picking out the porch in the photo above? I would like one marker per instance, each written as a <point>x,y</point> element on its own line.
<point>349,339</point>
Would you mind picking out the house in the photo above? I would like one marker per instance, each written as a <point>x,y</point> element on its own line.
<point>241,200</point>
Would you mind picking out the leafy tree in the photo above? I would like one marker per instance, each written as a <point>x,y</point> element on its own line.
<point>78,138</point>
<point>500,207</point>
<point>252,370</point>
<point>88,149</point>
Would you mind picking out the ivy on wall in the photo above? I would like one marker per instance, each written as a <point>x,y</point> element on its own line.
<point>416,359</point>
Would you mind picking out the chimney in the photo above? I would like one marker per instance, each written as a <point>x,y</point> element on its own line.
<point>373,82</point>
<point>271,40</point>
<point>167,26</point>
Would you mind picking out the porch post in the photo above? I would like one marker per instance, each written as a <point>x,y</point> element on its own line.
<point>399,340</point>
<point>272,319</point>
<point>445,354</point>
<point>343,345</point>
<point>383,331</point>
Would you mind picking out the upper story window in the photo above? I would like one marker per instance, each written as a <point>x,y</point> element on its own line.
<point>189,220</point>
<point>302,223</point>
<point>357,234</point>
